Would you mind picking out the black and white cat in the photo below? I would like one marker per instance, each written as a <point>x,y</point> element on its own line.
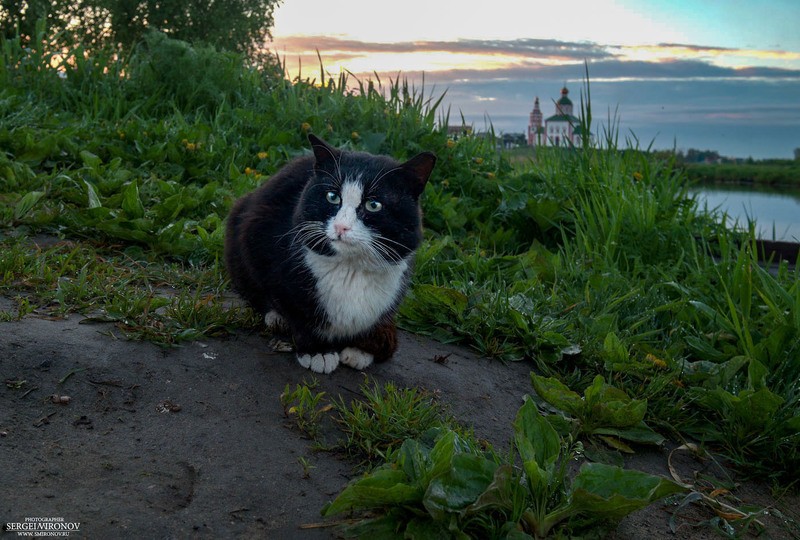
<point>324,250</point>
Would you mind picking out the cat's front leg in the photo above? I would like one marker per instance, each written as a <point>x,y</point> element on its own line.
<point>356,358</point>
<point>319,362</point>
<point>377,345</point>
<point>313,355</point>
<point>275,321</point>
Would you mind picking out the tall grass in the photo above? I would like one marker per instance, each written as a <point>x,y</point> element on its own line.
<point>586,261</point>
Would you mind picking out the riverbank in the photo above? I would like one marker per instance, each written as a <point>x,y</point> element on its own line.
<point>773,173</point>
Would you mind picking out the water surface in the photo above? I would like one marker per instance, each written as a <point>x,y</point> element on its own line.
<point>776,213</point>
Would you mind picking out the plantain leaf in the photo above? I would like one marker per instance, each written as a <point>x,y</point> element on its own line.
<point>613,349</point>
<point>91,192</point>
<point>26,204</point>
<point>557,394</point>
<point>382,487</point>
<point>90,160</point>
<point>640,433</point>
<point>610,492</point>
<point>459,487</point>
<point>131,203</point>
<point>535,438</point>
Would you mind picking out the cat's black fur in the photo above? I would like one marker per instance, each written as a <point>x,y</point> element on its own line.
<point>265,249</point>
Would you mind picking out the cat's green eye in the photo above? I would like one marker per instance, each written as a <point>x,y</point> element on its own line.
<point>373,206</point>
<point>333,197</point>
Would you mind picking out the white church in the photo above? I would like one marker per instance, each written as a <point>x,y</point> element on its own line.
<point>561,129</point>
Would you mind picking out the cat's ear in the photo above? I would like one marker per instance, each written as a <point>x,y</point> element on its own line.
<point>420,167</point>
<point>323,152</point>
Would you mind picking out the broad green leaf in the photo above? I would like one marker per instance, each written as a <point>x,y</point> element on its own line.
<point>380,488</point>
<point>608,406</point>
<point>499,494</point>
<point>94,200</point>
<point>385,527</point>
<point>516,534</point>
<point>26,204</point>
<point>543,211</point>
<point>412,459</point>
<point>442,297</point>
<point>613,349</point>
<point>599,392</point>
<point>538,477</point>
<point>90,160</point>
<point>757,374</point>
<point>468,477</point>
<point>792,425</point>
<point>619,414</point>
<point>611,492</point>
<point>640,433</point>
<point>617,444</point>
<point>441,455</point>
<point>425,528</point>
<point>131,203</point>
<point>557,394</point>
<point>536,439</point>
<point>756,408</point>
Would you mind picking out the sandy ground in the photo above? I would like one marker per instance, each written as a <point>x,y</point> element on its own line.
<point>193,442</point>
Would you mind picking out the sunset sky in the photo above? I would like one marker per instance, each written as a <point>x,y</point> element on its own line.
<point>720,75</point>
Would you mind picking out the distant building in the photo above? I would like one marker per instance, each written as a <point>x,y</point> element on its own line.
<point>561,129</point>
<point>456,132</point>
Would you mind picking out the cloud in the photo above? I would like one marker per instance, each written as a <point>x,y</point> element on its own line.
<point>526,48</point>
<point>526,58</point>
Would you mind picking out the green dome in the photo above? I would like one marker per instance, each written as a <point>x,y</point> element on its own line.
<point>564,100</point>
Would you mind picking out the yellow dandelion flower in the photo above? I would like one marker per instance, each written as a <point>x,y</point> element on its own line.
<point>477,160</point>
<point>490,175</point>
<point>354,135</point>
<point>121,134</point>
<point>450,143</point>
<point>263,155</point>
<point>446,182</point>
<point>190,146</point>
<point>637,176</point>
<point>306,127</point>
<point>248,170</point>
<point>330,128</point>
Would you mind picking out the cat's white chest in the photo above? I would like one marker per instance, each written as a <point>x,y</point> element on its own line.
<point>353,296</point>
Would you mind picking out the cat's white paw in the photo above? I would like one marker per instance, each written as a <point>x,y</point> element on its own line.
<point>274,320</point>
<point>356,358</point>
<point>319,363</point>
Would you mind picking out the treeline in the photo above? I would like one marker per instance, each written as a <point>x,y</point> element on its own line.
<point>707,166</point>
<point>232,25</point>
<point>777,173</point>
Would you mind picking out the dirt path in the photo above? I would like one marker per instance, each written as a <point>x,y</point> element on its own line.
<point>192,442</point>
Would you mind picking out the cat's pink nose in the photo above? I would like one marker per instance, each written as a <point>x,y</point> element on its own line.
<point>340,229</point>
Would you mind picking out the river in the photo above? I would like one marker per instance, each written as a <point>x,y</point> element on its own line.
<point>776,213</point>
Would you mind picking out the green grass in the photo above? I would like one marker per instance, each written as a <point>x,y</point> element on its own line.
<point>584,262</point>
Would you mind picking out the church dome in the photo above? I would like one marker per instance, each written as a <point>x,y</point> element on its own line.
<point>564,100</point>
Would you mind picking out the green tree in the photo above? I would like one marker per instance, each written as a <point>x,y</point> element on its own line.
<point>16,15</point>
<point>235,25</point>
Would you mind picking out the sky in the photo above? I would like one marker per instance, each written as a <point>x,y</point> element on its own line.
<point>720,75</point>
